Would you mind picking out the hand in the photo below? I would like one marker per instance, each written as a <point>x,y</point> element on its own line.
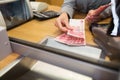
<point>92,17</point>
<point>62,22</point>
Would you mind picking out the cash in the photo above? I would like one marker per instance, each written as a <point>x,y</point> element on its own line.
<point>76,36</point>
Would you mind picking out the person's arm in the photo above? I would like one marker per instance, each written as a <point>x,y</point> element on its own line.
<point>62,22</point>
<point>68,7</point>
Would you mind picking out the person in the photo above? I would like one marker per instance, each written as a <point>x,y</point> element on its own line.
<point>108,37</point>
<point>84,6</point>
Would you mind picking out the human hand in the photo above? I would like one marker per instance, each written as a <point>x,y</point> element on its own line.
<point>92,17</point>
<point>62,22</point>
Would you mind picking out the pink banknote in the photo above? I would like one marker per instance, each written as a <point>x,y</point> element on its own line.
<point>70,40</point>
<point>76,36</point>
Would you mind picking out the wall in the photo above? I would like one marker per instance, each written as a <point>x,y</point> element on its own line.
<point>53,2</point>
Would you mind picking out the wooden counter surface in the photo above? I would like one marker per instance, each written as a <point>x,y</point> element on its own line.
<point>8,60</point>
<point>35,30</point>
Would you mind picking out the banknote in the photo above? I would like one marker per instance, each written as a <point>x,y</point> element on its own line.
<point>76,36</point>
<point>70,40</point>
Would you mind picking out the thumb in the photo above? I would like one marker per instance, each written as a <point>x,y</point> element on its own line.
<point>67,25</point>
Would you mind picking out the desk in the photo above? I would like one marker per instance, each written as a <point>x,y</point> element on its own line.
<point>35,31</point>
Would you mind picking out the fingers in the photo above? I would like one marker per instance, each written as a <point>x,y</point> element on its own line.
<point>62,23</point>
<point>67,25</point>
<point>92,18</point>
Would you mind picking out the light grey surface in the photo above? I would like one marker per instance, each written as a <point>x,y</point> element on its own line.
<point>5,48</point>
<point>38,6</point>
<point>88,51</point>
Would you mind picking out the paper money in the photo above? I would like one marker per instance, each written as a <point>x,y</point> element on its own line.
<point>76,36</point>
<point>101,9</point>
<point>78,28</point>
<point>70,40</point>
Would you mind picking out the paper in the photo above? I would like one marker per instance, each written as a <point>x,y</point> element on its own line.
<point>76,36</point>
